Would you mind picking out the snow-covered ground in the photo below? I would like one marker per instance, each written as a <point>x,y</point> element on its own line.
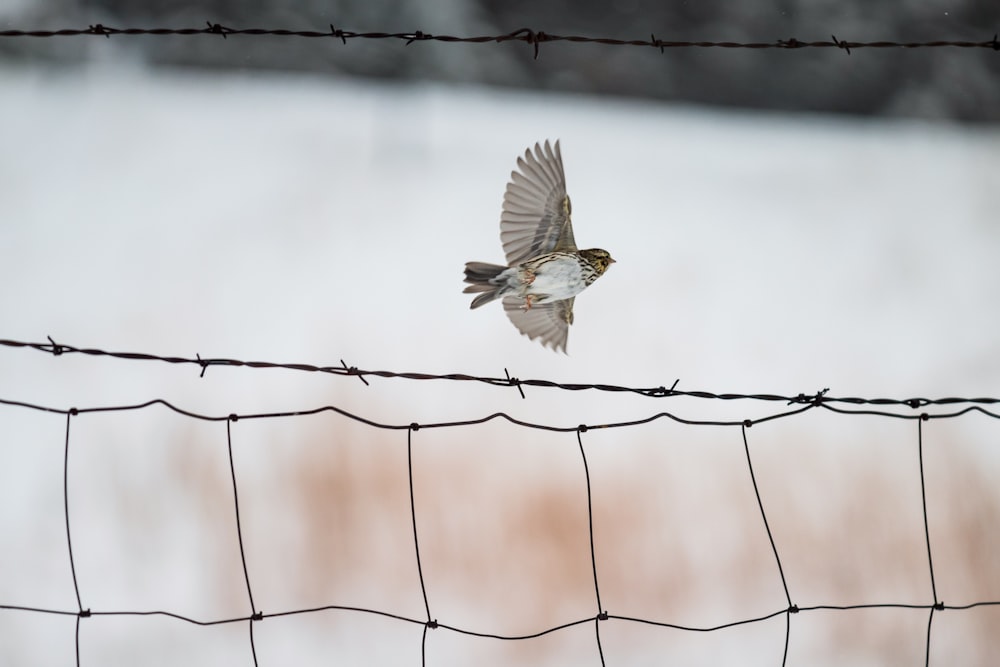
<point>314,220</point>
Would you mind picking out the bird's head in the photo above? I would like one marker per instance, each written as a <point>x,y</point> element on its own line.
<point>600,259</point>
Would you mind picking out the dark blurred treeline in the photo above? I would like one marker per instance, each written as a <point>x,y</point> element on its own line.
<point>949,83</point>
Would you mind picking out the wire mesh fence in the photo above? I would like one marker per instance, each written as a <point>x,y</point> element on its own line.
<point>917,412</point>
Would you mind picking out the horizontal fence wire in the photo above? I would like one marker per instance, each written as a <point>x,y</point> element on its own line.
<point>662,391</point>
<point>533,38</point>
<point>430,622</point>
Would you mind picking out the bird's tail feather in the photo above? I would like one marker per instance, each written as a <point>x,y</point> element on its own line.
<point>481,278</point>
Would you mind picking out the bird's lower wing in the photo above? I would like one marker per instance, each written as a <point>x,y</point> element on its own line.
<point>548,322</point>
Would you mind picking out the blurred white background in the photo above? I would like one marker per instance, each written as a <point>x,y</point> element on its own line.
<point>297,219</point>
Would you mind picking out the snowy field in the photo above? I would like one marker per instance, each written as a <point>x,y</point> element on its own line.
<point>318,220</point>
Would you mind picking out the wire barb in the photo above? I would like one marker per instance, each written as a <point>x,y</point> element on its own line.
<point>526,35</point>
<point>815,399</point>
<point>56,347</point>
<point>353,370</point>
<point>334,32</point>
<point>514,382</point>
<point>202,363</point>
<point>217,29</point>
<point>663,391</point>
<point>419,36</point>
<point>841,45</point>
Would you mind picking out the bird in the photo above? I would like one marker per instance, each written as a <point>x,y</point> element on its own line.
<point>545,270</point>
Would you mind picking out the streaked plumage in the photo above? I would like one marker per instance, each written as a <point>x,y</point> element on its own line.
<point>545,270</point>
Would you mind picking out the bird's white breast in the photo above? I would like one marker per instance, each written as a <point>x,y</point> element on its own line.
<point>556,279</point>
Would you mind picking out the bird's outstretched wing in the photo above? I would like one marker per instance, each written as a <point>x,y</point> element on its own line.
<point>549,322</point>
<point>536,208</point>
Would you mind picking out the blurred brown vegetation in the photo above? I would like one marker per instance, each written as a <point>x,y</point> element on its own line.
<point>502,522</point>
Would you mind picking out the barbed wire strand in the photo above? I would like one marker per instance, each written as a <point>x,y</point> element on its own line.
<point>662,391</point>
<point>533,38</point>
<point>429,623</point>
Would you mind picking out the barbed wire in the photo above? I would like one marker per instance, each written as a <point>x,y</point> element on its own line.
<point>815,398</point>
<point>534,38</point>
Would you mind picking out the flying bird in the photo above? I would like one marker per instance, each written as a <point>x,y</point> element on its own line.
<point>545,270</point>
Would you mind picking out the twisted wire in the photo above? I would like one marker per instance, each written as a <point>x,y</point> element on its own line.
<point>533,38</point>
